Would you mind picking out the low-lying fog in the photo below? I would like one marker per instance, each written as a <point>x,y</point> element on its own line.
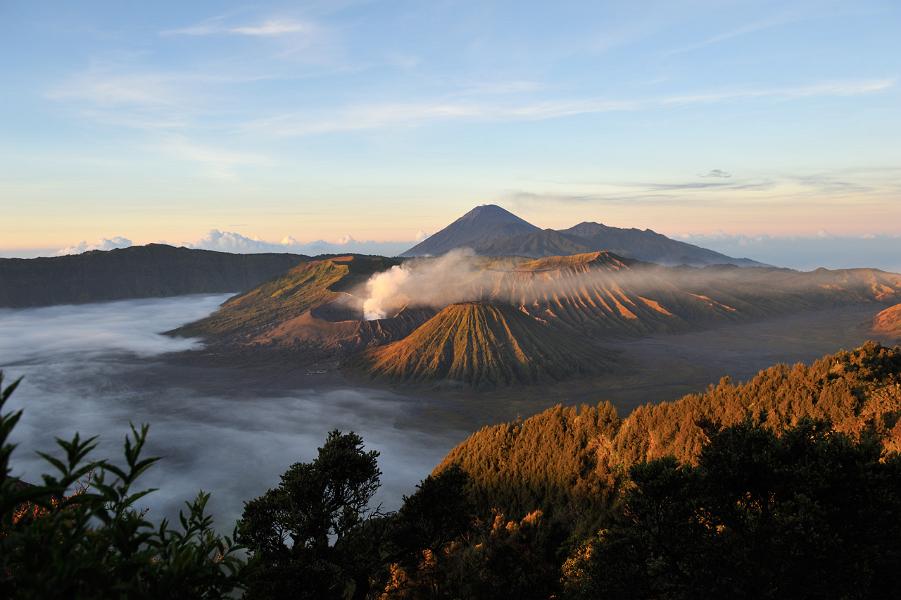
<point>94,368</point>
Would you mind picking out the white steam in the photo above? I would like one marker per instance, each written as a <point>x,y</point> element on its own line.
<point>427,282</point>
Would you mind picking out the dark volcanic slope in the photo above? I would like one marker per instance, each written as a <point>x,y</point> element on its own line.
<point>492,231</point>
<point>155,270</point>
<point>483,345</point>
<point>482,225</point>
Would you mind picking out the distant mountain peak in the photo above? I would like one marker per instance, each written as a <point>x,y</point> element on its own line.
<point>491,230</point>
<point>488,209</point>
<point>492,211</point>
<point>482,224</point>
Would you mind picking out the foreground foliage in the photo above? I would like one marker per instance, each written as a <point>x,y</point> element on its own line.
<point>79,534</point>
<point>810,513</point>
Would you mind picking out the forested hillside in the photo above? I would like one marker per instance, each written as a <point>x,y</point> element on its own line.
<point>562,459</point>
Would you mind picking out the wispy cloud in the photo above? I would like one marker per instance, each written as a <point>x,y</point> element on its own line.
<point>856,87</point>
<point>126,96</point>
<point>820,188</point>
<point>112,89</point>
<point>218,163</point>
<point>375,116</point>
<point>516,86</point>
<point>746,29</point>
<point>266,28</point>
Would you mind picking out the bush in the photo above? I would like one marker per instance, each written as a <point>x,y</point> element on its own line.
<point>78,534</point>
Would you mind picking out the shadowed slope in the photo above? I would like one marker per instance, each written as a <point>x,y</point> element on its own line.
<point>482,345</point>
<point>151,271</point>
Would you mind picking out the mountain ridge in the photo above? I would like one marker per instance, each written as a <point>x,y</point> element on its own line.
<point>567,309</point>
<point>490,230</point>
<point>154,270</point>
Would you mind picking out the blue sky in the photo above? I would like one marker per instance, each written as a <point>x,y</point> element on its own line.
<point>382,120</point>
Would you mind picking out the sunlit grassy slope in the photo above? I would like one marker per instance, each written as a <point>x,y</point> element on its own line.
<point>888,322</point>
<point>565,457</point>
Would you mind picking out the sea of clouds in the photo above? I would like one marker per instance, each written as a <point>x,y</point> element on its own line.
<point>95,368</point>
<point>232,241</point>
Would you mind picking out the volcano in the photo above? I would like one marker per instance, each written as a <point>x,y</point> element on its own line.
<point>490,230</point>
<point>314,284</point>
<point>483,345</point>
<point>516,320</point>
<point>481,226</point>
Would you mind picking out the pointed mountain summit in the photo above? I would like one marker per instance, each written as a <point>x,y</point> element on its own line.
<point>480,226</point>
<point>489,230</point>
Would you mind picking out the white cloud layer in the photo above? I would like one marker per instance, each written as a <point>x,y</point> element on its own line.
<point>409,114</point>
<point>104,244</point>
<point>231,241</point>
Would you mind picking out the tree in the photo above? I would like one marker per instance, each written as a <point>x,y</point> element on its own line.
<point>440,511</point>
<point>810,513</point>
<point>304,534</point>
<point>79,533</point>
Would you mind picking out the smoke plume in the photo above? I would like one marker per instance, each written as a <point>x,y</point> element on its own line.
<point>576,282</point>
<point>432,282</point>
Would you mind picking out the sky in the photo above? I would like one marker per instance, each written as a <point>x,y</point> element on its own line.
<point>366,124</point>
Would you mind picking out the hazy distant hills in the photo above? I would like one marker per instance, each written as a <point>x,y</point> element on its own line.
<point>155,270</point>
<point>490,230</point>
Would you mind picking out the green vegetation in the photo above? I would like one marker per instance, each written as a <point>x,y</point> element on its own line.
<point>79,535</point>
<point>307,535</point>
<point>787,486</point>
